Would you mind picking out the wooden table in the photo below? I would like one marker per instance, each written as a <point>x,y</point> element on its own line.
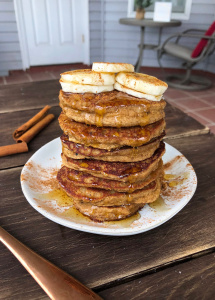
<point>143,24</point>
<point>174,261</point>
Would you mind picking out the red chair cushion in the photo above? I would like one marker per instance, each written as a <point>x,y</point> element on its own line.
<point>203,42</point>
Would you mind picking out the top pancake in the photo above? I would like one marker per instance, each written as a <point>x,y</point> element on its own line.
<point>115,109</point>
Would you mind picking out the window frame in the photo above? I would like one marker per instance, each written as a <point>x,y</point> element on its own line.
<point>149,15</point>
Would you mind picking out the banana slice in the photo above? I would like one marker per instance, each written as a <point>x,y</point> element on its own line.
<point>69,87</point>
<point>142,83</point>
<point>131,92</point>
<point>87,76</point>
<point>112,67</point>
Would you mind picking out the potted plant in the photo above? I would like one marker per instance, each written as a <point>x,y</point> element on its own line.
<point>140,6</point>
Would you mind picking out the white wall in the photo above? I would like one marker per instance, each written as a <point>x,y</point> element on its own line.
<point>120,41</point>
<point>10,55</point>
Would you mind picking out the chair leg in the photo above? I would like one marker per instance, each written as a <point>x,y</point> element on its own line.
<point>186,79</point>
<point>188,82</point>
<point>159,56</point>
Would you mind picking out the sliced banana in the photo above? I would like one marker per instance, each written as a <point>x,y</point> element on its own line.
<point>87,76</point>
<point>112,67</point>
<point>134,93</point>
<point>69,87</point>
<point>142,83</point>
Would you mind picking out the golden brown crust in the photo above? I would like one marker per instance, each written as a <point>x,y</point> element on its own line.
<point>102,197</point>
<point>106,213</point>
<point>115,109</point>
<point>109,137</point>
<point>124,154</point>
<point>83,179</point>
<point>124,118</point>
<point>90,102</point>
<point>127,172</point>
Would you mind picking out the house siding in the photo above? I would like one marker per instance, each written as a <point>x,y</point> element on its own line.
<point>10,55</point>
<point>109,40</point>
<point>96,29</point>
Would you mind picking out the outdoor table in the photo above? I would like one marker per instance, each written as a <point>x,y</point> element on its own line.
<point>174,260</point>
<point>143,24</point>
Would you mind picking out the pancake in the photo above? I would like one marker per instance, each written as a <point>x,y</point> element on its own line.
<point>108,137</point>
<point>106,213</point>
<point>115,109</point>
<point>83,179</point>
<point>127,172</point>
<point>125,154</point>
<point>102,197</point>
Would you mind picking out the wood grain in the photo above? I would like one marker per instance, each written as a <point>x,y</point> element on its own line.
<point>103,261</point>
<point>27,96</point>
<point>191,280</point>
<point>178,125</point>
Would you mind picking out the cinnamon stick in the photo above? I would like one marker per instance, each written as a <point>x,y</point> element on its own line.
<point>23,128</point>
<point>13,149</point>
<point>28,135</point>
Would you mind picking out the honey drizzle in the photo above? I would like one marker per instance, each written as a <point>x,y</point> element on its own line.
<point>105,101</point>
<point>71,213</point>
<point>129,197</point>
<point>108,101</point>
<point>102,106</point>
<point>100,111</point>
<point>89,133</point>
<point>159,205</point>
<point>175,180</point>
<point>125,223</point>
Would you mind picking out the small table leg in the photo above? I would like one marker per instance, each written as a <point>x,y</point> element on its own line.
<point>139,60</point>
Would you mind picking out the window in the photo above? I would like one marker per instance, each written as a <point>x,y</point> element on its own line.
<point>180,9</point>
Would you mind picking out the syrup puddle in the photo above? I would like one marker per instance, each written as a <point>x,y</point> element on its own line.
<point>175,180</point>
<point>64,208</point>
<point>124,223</point>
<point>159,205</point>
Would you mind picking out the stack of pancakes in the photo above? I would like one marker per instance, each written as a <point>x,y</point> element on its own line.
<point>113,124</point>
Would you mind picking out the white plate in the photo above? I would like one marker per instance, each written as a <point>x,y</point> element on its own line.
<point>48,159</point>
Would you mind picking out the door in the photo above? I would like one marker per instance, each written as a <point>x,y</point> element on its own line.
<point>56,31</point>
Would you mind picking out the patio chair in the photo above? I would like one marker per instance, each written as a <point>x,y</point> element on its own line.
<point>203,50</point>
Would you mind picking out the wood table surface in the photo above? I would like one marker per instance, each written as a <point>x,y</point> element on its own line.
<point>173,261</point>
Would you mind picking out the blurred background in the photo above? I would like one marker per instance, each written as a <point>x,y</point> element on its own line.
<point>39,39</point>
<point>51,32</point>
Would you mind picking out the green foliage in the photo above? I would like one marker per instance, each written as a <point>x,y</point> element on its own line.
<point>142,3</point>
